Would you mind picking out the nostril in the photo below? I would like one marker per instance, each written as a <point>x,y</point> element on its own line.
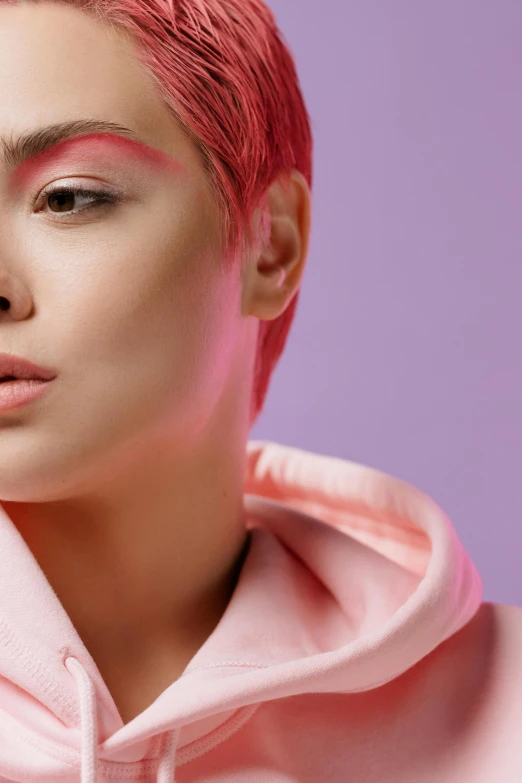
<point>4,303</point>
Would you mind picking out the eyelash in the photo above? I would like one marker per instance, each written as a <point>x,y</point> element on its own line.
<point>101,198</point>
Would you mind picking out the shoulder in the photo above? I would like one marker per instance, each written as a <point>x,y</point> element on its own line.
<point>501,625</point>
<point>487,652</point>
<point>494,632</point>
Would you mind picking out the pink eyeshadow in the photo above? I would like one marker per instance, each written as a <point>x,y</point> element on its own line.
<point>85,146</point>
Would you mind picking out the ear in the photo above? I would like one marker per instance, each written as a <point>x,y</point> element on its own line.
<point>275,268</point>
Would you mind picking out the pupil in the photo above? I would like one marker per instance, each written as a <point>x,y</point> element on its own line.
<point>62,197</point>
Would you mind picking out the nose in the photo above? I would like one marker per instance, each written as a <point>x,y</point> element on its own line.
<point>15,298</point>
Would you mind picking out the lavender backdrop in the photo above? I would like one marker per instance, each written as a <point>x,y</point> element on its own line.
<point>405,351</point>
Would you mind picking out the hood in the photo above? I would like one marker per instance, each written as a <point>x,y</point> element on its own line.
<point>352,577</point>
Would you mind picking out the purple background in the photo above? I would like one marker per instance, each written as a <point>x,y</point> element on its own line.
<point>405,350</point>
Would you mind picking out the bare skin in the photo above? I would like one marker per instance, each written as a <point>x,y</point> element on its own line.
<point>126,478</point>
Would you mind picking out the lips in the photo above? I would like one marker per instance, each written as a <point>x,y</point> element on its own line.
<point>18,368</point>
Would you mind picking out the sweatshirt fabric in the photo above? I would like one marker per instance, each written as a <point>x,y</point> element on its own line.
<point>356,648</point>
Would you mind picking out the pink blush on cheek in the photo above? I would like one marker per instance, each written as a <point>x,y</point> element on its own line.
<point>88,146</point>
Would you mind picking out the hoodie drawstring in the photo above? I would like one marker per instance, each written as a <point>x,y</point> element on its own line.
<point>89,730</point>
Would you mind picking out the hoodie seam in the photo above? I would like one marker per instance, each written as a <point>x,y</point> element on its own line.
<point>38,671</point>
<point>69,757</point>
<point>29,735</point>
<point>134,769</point>
<point>200,747</point>
<point>224,664</point>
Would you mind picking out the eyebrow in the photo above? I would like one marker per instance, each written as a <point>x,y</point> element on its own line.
<point>28,145</point>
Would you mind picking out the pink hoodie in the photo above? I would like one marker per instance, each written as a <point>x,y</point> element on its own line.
<point>356,649</point>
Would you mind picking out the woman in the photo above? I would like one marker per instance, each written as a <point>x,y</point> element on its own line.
<point>177,602</point>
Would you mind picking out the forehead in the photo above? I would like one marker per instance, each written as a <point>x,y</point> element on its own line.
<point>58,64</point>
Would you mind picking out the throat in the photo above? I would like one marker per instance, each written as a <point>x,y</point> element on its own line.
<point>134,685</point>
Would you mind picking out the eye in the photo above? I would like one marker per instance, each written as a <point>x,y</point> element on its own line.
<point>60,200</point>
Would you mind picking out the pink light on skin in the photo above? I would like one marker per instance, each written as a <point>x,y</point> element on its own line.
<point>82,148</point>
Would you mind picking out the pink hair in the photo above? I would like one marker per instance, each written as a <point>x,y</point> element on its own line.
<point>228,77</point>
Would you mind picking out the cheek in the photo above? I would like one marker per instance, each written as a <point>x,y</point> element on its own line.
<point>164,317</point>
<point>109,290</point>
<point>201,325</point>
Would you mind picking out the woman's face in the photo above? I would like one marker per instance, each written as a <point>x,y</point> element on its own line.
<point>130,302</point>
